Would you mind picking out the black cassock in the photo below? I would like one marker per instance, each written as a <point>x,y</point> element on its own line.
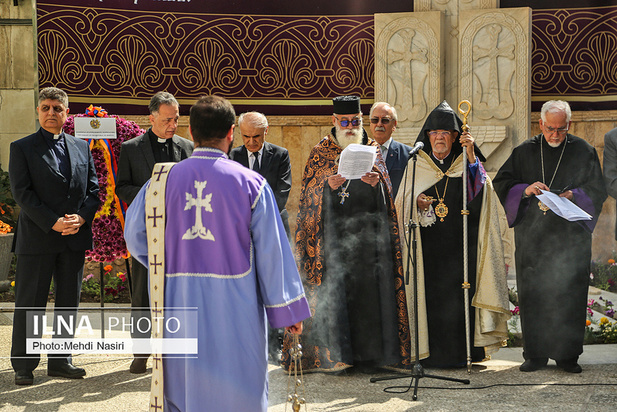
<point>442,252</point>
<point>357,316</point>
<point>553,255</point>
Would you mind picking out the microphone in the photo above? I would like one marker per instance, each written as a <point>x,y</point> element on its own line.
<point>416,149</point>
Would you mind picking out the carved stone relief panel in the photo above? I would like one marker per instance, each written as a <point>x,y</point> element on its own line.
<point>494,66</point>
<point>409,66</point>
<point>428,5</point>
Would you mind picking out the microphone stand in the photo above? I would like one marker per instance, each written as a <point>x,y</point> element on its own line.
<point>417,372</point>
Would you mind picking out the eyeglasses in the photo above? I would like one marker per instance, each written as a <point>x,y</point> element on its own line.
<point>384,120</point>
<point>434,133</point>
<point>355,122</point>
<point>561,131</point>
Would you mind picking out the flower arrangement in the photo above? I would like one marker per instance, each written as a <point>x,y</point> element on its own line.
<point>7,222</point>
<point>108,223</point>
<point>604,275</point>
<point>5,227</point>
<point>114,284</point>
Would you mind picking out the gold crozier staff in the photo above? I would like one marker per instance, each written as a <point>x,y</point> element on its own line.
<point>465,213</point>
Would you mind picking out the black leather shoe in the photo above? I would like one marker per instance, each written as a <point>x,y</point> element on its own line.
<point>569,365</point>
<point>139,364</point>
<point>66,370</point>
<point>533,364</point>
<point>24,377</point>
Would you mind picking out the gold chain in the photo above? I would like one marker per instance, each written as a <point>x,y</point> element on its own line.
<point>441,210</point>
<point>541,205</point>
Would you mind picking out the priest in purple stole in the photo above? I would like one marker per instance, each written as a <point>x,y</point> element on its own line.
<point>227,254</point>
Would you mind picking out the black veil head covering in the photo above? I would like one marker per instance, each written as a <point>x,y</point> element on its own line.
<point>443,117</point>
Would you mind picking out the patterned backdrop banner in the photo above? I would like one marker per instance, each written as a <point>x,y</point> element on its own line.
<point>283,64</point>
<point>575,55</point>
<point>250,7</point>
<point>124,57</point>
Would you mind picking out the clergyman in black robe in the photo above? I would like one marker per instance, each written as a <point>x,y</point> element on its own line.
<point>553,254</point>
<point>348,250</point>
<point>437,207</point>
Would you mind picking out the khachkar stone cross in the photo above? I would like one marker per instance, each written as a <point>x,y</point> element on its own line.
<point>407,107</point>
<point>499,106</point>
<point>198,229</point>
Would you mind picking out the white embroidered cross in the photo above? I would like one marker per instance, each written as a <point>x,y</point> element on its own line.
<point>198,230</point>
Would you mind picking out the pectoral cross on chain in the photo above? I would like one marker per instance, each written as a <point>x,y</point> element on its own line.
<point>198,229</point>
<point>343,194</point>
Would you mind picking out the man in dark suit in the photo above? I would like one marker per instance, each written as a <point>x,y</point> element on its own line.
<point>137,159</point>
<point>383,124</point>
<point>272,160</point>
<point>54,181</point>
<point>610,165</point>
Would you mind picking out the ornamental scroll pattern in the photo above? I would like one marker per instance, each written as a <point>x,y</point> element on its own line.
<point>575,53</point>
<point>129,55</point>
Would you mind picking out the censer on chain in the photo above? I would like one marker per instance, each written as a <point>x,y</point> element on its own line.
<point>295,373</point>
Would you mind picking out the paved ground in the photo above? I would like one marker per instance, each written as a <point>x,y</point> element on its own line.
<point>495,385</point>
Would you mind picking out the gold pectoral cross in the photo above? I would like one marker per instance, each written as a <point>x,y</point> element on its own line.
<point>542,206</point>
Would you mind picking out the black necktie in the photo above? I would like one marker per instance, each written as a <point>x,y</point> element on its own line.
<point>256,162</point>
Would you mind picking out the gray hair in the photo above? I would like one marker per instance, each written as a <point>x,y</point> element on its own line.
<point>374,106</point>
<point>53,93</point>
<point>556,106</point>
<point>255,119</point>
<point>162,98</point>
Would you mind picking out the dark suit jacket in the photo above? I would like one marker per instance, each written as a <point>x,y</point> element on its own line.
<point>276,168</point>
<point>396,161</point>
<point>44,195</point>
<point>610,165</point>
<point>137,161</point>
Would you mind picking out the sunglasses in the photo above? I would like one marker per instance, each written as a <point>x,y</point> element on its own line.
<point>384,120</point>
<point>354,122</point>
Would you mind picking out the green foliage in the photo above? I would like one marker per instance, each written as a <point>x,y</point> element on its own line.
<point>114,284</point>
<point>7,203</point>
<point>604,275</point>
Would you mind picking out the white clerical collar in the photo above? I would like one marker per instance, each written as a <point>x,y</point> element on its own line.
<point>440,160</point>
<point>162,141</point>
<point>57,136</point>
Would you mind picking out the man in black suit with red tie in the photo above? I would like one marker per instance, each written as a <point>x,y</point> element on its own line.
<point>269,160</point>
<point>54,181</point>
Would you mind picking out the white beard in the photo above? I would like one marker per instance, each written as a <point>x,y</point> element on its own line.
<point>344,139</point>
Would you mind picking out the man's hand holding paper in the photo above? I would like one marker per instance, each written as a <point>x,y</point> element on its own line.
<point>356,161</point>
<point>562,206</point>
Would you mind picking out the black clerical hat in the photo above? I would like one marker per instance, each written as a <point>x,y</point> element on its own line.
<point>346,104</point>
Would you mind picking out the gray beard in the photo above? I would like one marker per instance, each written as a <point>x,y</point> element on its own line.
<point>345,140</point>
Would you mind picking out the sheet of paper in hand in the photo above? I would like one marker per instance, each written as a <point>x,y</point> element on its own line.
<point>356,160</point>
<point>563,207</point>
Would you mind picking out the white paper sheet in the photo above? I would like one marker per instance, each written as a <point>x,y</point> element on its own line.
<point>356,160</point>
<point>563,207</point>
